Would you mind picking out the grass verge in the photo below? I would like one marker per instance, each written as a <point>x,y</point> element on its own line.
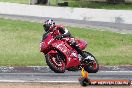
<point>19,44</point>
<point>81,4</point>
<point>99,5</point>
<point>16,1</point>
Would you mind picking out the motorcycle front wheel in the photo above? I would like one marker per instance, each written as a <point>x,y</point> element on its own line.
<point>55,63</point>
<point>91,66</point>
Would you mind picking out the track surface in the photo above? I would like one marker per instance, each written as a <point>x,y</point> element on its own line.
<point>115,27</point>
<point>62,77</point>
<point>44,74</point>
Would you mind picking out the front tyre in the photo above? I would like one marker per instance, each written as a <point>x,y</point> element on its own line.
<point>55,63</point>
<point>91,66</point>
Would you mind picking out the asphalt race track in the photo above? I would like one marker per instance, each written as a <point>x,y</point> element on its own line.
<point>62,77</point>
<point>109,26</point>
<point>44,74</point>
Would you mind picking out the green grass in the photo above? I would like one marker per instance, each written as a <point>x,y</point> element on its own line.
<point>16,1</point>
<point>53,2</point>
<point>97,5</point>
<point>108,47</point>
<point>19,44</point>
<point>84,4</point>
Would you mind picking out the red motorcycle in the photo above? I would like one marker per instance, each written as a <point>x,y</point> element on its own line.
<point>60,56</point>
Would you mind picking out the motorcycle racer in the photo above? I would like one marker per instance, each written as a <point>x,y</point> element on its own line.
<point>62,32</point>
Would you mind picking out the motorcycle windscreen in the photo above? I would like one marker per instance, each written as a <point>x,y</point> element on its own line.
<point>46,42</point>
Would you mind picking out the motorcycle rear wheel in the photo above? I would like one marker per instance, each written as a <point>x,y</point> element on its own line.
<point>92,66</point>
<point>54,64</point>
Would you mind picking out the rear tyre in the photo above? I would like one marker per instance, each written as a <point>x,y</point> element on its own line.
<point>91,66</point>
<point>55,63</point>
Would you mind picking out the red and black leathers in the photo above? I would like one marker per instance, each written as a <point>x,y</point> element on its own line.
<point>61,32</point>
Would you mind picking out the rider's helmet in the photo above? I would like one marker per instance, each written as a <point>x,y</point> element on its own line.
<point>48,24</point>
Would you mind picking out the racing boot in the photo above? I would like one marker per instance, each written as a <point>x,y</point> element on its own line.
<point>84,57</point>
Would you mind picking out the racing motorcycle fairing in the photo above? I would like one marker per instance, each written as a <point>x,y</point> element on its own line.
<point>70,55</point>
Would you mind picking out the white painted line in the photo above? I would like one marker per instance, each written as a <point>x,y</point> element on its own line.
<point>117,71</point>
<point>23,81</point>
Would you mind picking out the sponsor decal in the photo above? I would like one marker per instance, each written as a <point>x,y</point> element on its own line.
<point>110,82</point>
<point>85,81</point>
